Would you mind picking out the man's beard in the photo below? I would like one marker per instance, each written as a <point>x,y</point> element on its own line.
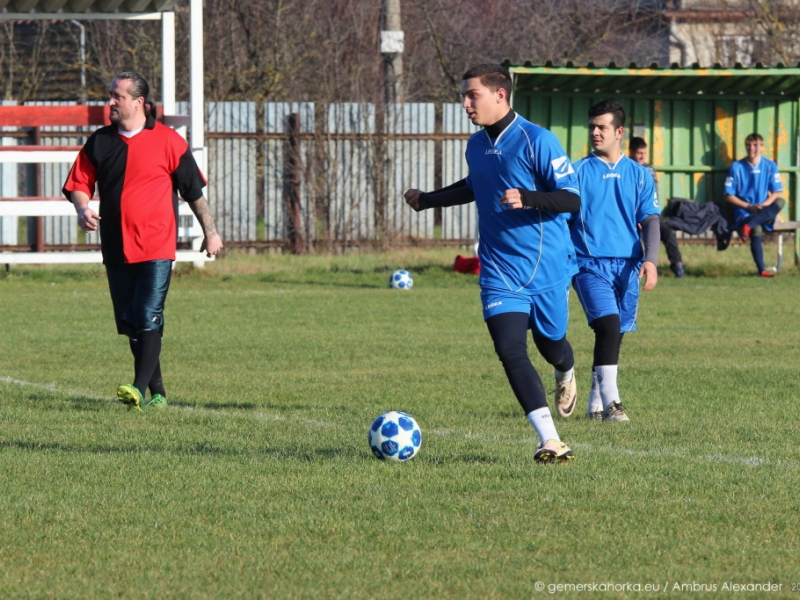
<point>115,117</point>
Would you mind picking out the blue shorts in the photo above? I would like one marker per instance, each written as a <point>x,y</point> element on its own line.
<point>138,292</point>
<point>548,312</point>
<point>609,286</point>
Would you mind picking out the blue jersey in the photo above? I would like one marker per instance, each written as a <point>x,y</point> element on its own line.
<point>521,250</point>
<point>752,184</point>
<point>615,199</point>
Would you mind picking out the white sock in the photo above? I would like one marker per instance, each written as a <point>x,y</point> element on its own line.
<point>607,384</point>
<point>542,422</point>
<point>562,376</point>
<point>595,402</point>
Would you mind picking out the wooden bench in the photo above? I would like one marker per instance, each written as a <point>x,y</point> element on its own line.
<point>58,115</point>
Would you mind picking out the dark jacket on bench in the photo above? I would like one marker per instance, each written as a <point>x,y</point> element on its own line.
<point>696,218</point>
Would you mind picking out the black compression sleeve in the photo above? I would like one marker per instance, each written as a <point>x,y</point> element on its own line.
<point>453,186</point>
<point>558,201</point>
<point>452,195</point>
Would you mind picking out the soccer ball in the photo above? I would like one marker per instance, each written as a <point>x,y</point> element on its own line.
<point>401,280</point>
<point>395,436</point>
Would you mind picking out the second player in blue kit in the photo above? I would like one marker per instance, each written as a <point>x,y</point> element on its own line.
<point>619,210</point>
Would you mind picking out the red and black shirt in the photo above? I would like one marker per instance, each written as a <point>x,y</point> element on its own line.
<point>137,179</point>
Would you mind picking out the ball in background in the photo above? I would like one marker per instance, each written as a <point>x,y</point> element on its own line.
<point>401,280</point>
<point>395,436</point>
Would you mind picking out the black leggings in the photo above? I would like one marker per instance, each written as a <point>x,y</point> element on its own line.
<point>607,340</point>
<point>509,333</point>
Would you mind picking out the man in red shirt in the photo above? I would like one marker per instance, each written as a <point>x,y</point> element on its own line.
<point>138,165</point>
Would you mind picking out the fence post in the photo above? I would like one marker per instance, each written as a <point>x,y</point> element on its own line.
<point>37,183</point>
<point>291,186</point>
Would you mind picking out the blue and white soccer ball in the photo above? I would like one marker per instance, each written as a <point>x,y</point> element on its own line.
<point>401,280</point>
<point>395,436</point>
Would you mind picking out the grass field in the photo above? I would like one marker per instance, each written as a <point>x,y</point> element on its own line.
<point>258,482</point>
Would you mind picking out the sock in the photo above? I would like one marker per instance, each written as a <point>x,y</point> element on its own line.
<point>542,422</point>
<point>607,384</point>
<point>562,376</point>
<point>595,402</point>
<point>156,384</point>
<point>147,350</point>
<point>757,250</point>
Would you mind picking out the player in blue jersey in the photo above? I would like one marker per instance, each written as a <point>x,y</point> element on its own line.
<point>752,187</point>
<point>617,197</point>
<point>524,187</point>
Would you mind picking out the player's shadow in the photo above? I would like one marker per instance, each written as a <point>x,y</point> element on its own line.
<point>58,447</point>
<point>215,405</point>
<point>466,458</point>
<point>195,449</point>
<point>313,454</point>
<point>79,403</point>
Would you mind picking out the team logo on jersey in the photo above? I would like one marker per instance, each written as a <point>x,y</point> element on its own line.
<point>494,151</point>
<point>777,178</point>
<point>562,167</point>
<point>655,201</point>
<point>607,175</point>
<point>729,181</point>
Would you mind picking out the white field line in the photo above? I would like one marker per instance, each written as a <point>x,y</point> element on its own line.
<point>751,461</point>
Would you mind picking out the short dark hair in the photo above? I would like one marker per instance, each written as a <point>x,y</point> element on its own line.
<point>636,143</point>
<point>754,137</point>
<point>493,76</point>
<point>609,107</point>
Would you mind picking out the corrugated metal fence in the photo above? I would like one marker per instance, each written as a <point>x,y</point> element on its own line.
<point>299,175</point>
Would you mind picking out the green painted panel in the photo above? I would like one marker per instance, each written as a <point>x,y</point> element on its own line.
<point>702,145</point>
<point>662,141</point>
<point>640,122</point>
<point>538,110</point>
<point>744,125</point>
<point>560,119</point>
<point>765,115</point>
<point>724,131</point>
<point>783,138</point>
<point>783,154</point>
<point>579,131</point>
<point>680,148</point>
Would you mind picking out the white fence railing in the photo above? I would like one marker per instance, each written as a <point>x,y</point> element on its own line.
<point>332,172</point>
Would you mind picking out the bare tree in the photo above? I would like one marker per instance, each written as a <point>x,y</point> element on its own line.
<point>114,46</point>
<point>31,53</point>
<point>778,25</point>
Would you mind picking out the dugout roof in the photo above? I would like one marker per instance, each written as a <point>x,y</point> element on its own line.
<point>24,8</point>
<point>771,81</point>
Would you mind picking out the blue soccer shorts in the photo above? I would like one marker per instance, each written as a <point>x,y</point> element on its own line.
<point>548,312</point>
<point>138,293</point>
<point>609,286</point>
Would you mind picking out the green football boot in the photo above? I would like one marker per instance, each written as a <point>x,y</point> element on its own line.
<point>130,396</point>
<point>157,401</point>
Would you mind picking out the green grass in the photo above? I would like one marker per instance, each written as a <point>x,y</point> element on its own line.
<point>258,481</point>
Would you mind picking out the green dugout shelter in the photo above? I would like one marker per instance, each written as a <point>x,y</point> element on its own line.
<point>694,120</point>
